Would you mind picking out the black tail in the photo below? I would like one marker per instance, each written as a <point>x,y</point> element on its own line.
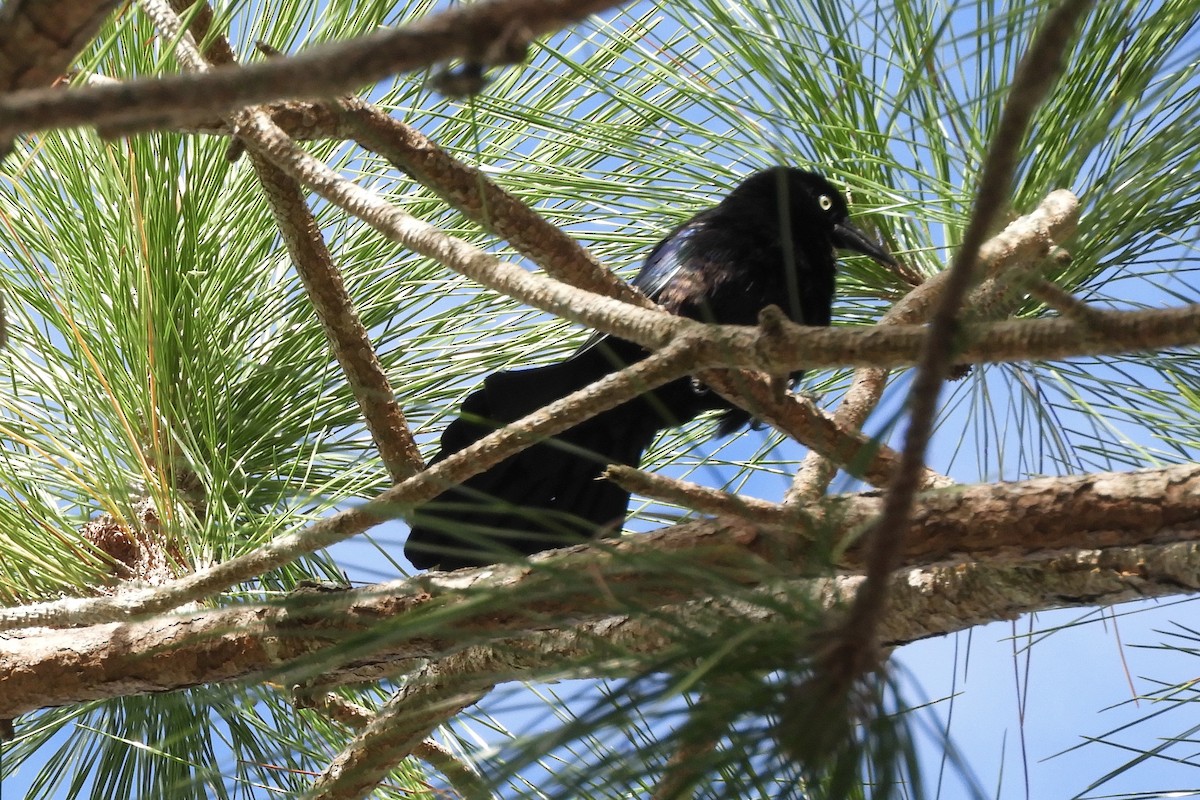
<point>550,495</point>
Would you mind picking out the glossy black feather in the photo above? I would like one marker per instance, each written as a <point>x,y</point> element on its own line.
<point>770,241</point>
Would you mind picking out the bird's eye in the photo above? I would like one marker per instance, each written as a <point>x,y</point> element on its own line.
<point>825,202</point>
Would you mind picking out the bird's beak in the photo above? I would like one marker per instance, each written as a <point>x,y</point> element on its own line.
<point>848,237</point>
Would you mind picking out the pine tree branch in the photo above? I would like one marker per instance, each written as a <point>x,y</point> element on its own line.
<point>348,338</point>
<point>1143,528</point>
<point>853,647</point>
<point>467,31</point>
<point>322,280</point>
<point>1015,251</point>
<point>461,777</point>
<point>429,697</point>
<point>40,38</point>
<point>929,600</point>
<point>799,417</point>
<point>477,196</point>
<point>693,496</point>
<point>659,368</point>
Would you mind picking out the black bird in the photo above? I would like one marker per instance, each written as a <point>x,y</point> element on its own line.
<point>771,241</point>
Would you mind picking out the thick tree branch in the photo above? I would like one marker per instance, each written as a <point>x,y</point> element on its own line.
<point>1012,529</point>
<point>40,38</point>
<point>928,601</point>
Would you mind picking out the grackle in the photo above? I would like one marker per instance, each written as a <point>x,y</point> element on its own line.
<point>770,241</point>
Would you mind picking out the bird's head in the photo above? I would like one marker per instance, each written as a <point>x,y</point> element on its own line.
<point>803,204</point>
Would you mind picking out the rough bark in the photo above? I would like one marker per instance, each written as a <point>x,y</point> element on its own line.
<point>1013,545</point>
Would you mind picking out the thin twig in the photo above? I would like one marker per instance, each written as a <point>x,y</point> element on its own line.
<point>696,497</point>
<point>322,280</point>
<point>1015,250</point>
<point>463,31</point>
<point>1041,339</point>
<point>1069,305</point>
<point>998,295</point>
<point>348,338</point>
<point>798,417</point>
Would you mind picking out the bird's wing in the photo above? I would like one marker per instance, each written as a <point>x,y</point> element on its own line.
<point>663,264</point>
<point>666,259</point>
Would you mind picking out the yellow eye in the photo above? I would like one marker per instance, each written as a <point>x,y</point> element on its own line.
<point>824,202</point>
